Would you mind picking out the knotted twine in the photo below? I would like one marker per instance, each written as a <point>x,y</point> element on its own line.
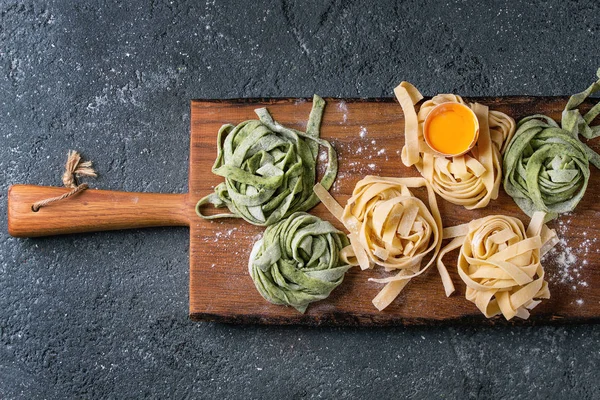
<point>74,168</point>
<point>546,166</point>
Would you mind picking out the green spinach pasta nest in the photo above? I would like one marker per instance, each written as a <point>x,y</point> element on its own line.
<point>269,169</point>
<point>546,166</point>
<point>299,260</point>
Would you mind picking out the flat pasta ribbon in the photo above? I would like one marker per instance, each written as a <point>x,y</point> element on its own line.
<point>470,180</point>
<point>269,170</point>
<point>298,261</point>
<point>392,228</point>
<point>546,167</point>
<point>499,261</point>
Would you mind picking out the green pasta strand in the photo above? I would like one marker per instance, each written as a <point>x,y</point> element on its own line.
<point>269,169</point>
<point>546,166</point>
<point>297,261</point>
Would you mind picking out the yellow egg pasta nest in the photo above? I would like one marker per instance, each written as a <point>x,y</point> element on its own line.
<point>392,228</point>
<point>470,180</point>
<point>499,261</point>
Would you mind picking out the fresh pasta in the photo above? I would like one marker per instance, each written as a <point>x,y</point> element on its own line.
<point>499,262</point>
<point>392,228</point>
<point>546,166</point>
<point>470,180</point>
<point>298,261</point>
<point>269,169</point>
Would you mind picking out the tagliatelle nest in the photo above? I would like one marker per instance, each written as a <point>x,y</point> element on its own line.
<point>269,169</point>
<point>298,261</point>
<point>392,228</point>
<point>546,166</point>
<point>499,261</point>
<point>470,180</point>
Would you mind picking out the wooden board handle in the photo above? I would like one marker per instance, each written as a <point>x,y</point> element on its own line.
<point>90,211</point>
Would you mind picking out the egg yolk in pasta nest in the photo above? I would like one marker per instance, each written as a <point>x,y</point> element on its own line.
<point>451,129</point>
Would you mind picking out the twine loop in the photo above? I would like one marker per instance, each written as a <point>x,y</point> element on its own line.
<point>74,168</point>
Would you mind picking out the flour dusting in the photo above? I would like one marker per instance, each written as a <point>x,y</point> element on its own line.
<point>565,264</point>
<point>363,132</point>
<point>224,235</point>
<point>344,109</point>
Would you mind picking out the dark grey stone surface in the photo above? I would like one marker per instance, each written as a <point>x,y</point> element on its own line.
<point>105,315</point>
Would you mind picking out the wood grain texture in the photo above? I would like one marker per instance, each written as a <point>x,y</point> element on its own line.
<point>90,211</point>
<point>222,290</point>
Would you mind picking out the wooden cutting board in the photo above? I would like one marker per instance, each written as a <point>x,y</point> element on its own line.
<point>368,136</point>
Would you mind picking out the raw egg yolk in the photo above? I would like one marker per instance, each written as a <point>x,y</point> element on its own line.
<point>451,130</point>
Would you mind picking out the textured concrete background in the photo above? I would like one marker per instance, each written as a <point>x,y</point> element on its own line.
<point>105,315</point>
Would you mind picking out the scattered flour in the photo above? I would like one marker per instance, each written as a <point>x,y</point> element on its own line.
<point>363,132</point>
<point>373,156</point>
<point>224,239</point>
<point>223,235</point>
<point>343,108</point>
<point>565,263</point>
<point>369,149</point>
